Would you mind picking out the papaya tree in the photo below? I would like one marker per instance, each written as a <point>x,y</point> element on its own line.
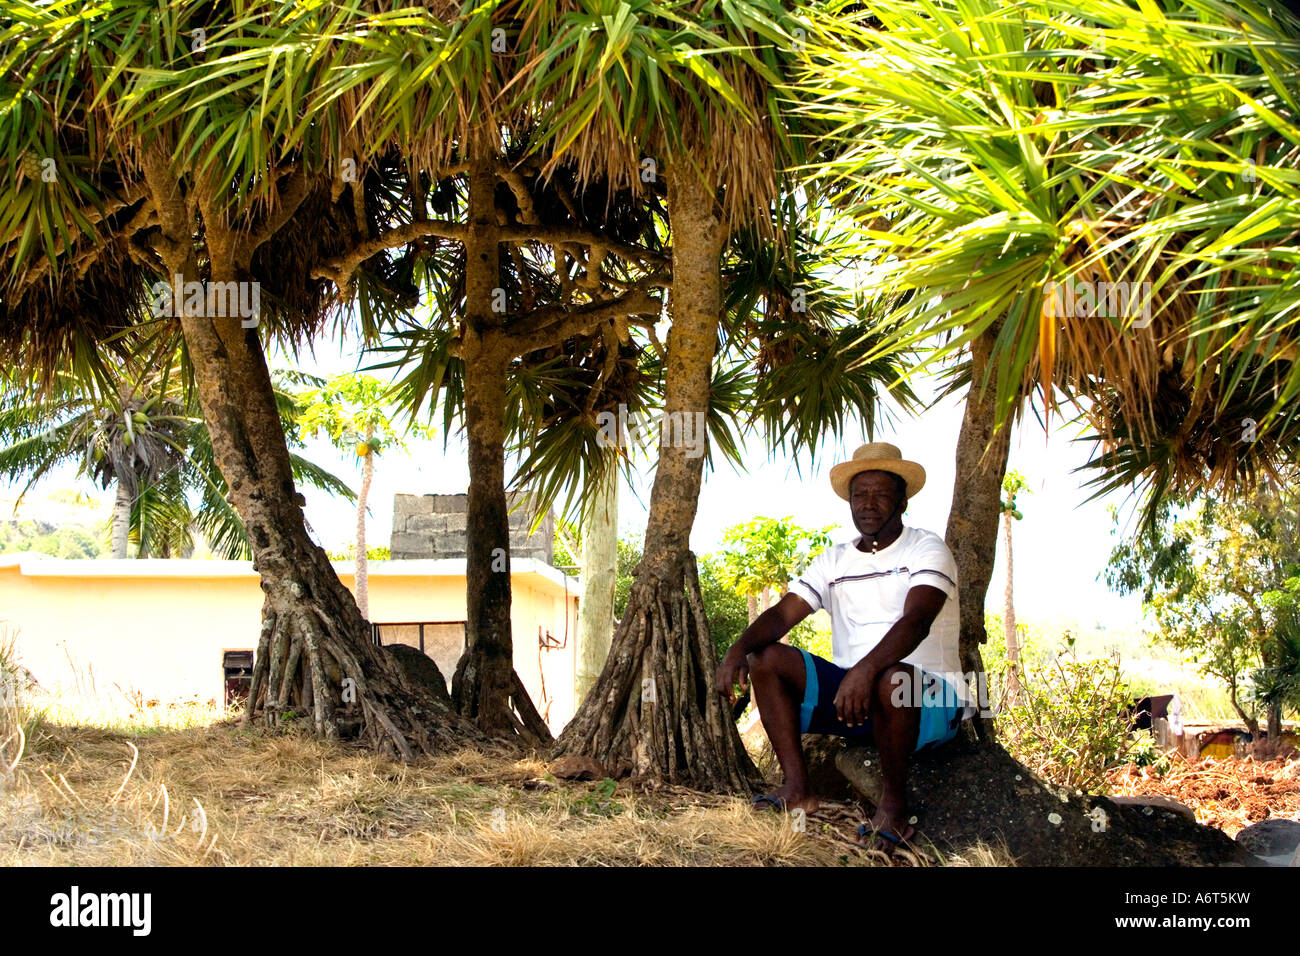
<point>351,410</point>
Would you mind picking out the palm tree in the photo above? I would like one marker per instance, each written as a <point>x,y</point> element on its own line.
<point>127,437</point>
<point>1002,158</point>
<point>145,435</point>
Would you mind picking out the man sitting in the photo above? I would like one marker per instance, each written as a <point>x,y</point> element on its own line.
<point>891,594</point>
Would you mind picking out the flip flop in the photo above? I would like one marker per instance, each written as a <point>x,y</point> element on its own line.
<point>865,831</point>
<point>767,801</point>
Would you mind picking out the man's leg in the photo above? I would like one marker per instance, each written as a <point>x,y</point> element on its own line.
<point>895,723</point>
<point>777,675</point>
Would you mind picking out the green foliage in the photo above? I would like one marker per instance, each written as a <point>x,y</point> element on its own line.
<point>1013,483</point>
<point>1221,578</point>
<point>1278,680</point>
<point>1033,647</point>
<point>68,541</point>
<point>351,410</point>
<point>993,152</point>
<point>563,557</point>
<point>1072,723</point>
<point>1145,752</point>
<point>377,553</point>
<point>809,637</point>
<point>769,553</point>
<point>599,802</point>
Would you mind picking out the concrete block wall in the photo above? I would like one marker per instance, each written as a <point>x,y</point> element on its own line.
<point>434,526</point>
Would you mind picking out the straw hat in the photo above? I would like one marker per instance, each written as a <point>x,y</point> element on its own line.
<point>877,456</point>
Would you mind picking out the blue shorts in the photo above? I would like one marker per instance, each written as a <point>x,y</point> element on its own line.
<point>941,709</point>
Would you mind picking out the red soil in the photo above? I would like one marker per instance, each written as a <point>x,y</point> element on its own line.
<point>1229,793</point>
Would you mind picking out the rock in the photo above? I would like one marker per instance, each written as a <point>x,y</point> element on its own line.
<point>965,794</point>
<point>1156,801</point>
<point>824,777</point>
<point>819,753</point>
<point>1277,837</point>
<point>420,671</point>
<point>579,768</point>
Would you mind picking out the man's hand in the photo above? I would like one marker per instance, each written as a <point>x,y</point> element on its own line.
<point>853,700</point>
<point>733,670</point>
<point>768,628</point>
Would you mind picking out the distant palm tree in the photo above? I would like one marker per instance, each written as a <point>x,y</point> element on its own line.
<point>143,434</point>
<point>1013,483</point>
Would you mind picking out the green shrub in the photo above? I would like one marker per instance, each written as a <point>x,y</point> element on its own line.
<point>1072,722</point>
<point>810,637</point>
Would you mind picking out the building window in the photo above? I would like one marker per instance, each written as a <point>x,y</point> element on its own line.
<point>237,670</point>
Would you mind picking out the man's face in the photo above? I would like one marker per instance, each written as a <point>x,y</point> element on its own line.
<point>874,500</point>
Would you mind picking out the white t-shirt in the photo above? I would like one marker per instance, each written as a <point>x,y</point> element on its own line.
<point>864,595</point>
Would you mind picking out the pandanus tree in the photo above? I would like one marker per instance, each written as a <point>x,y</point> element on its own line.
<point>528,264</point>
<point>1091,204</point>
<point>688,91</point>
<point>182,168</point>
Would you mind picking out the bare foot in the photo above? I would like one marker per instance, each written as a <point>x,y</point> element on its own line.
<point>788,797</point>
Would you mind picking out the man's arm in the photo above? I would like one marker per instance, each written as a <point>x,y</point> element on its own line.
<point>768,628</point>
<point>922,606</point>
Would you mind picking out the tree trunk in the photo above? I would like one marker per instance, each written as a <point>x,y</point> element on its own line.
<point>1009,625</point>
<point>976,506</point>
<point>362,577</point>
<point>315,654</point>
<point>1251,723</point>
<point>121,526</point>
<point>599,573</point>
<point>653,711</point>
<point>485,688</point>
<point>751,599</point>
<point>764,599</point>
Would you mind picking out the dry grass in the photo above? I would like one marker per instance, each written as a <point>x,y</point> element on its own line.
<point>217,795</point>
<point>118,780</point>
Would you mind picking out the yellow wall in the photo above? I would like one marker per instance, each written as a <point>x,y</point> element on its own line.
<point>160,627</point>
